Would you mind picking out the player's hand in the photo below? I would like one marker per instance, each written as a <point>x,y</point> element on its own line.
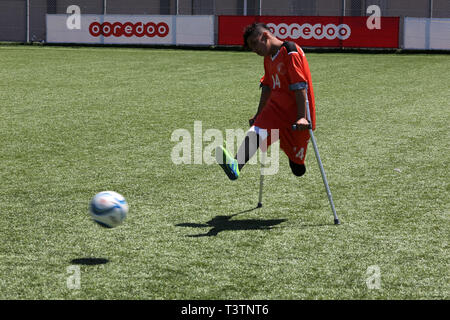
<point>302,124</point>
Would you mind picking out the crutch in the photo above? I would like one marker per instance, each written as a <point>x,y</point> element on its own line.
<point>261,174</point>
<point>322,171</point>
<point>261,182</point>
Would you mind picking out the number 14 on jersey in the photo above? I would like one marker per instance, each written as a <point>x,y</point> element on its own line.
<point>276,81</point>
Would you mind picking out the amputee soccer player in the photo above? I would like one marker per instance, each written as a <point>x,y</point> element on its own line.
<point>286,93</point>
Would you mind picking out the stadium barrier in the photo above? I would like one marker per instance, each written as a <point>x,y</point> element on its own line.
<point>205,30</point>
<point>426,34</point>
<point>131,29</point>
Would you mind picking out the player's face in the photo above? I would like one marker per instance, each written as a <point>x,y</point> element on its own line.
<point>259,44</point>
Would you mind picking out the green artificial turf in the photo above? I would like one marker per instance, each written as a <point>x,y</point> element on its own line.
<point>76,121</point>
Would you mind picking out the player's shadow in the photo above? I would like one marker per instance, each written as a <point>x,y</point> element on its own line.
<point>224,223</point>
<point>89,261</point>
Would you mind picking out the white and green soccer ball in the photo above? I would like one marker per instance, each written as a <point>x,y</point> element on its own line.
<point>108,209</point>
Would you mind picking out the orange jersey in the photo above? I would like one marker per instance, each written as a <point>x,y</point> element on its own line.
<point>285,72</point>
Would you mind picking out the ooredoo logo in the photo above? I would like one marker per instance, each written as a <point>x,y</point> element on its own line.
<point>308,31</point>
<point>129,29</point>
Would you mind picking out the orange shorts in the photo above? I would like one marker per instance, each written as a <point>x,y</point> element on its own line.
<point>294,143</point>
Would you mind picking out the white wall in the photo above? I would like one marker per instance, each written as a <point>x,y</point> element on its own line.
<point>185,30</point>
<point>425,33</point>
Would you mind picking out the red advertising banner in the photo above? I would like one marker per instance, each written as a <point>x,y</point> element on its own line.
<point>314,31</point>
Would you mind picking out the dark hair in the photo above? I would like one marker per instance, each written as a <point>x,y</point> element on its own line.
<point>254,28</point>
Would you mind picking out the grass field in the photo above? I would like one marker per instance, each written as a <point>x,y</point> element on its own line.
<point>76,121</point>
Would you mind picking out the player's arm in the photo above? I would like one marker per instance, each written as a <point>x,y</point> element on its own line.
<point>298,83</point>
<point>301,99</point>
<point>265,95</point>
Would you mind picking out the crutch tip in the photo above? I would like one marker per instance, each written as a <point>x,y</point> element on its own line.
<point>259,205</point>
<point>336,221</point>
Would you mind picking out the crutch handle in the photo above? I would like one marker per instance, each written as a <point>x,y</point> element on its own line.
<point>297,127</point>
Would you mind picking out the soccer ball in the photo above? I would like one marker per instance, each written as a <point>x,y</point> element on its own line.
<point>108,209</point>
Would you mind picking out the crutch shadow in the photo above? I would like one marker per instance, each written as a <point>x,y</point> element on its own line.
<point>224,223</point>
<point>89,261</point>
